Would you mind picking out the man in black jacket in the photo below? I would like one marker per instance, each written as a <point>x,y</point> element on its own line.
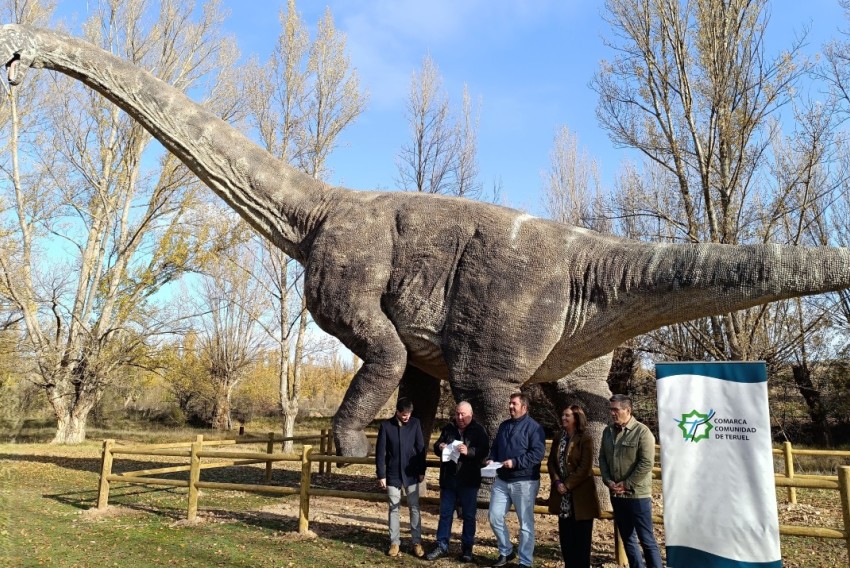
<point>462,447</point>
<point>400,464</point>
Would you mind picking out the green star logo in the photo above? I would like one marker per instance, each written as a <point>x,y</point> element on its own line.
<point>696,426</point>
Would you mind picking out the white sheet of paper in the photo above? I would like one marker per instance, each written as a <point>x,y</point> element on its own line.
<point>450,452</point>
<point>490,470</point>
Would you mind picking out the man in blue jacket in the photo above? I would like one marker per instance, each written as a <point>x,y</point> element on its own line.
<point>400,464</point>
<point>520,445</point>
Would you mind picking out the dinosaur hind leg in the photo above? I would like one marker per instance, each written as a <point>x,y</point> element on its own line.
<point>424,391</point>
<point>587,386</point>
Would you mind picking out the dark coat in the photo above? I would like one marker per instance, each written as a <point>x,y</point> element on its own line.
<point>579,480</point>
<point>467,471</point>
<point>400,452</point>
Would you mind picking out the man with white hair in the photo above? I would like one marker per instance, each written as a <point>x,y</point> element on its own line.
<point>465,443</point>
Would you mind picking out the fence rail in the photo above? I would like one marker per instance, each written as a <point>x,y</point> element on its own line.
<point>196,451</point>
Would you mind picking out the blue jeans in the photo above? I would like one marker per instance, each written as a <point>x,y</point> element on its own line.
<point>634,521</point>
<point>522,495</point>
<point>450,496</point>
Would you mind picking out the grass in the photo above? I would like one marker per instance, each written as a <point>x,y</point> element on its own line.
<point>46,518</point>
<point>46,494</point>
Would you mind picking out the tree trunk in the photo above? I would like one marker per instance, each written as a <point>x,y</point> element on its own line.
<point>817,412</point>
<point>71,427</point>
<point>221,412</point>
<point>71,406</point>
<point>622,369</point>
<point>289,411</point>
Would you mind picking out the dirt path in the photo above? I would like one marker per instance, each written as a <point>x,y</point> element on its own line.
<point>339,518</point>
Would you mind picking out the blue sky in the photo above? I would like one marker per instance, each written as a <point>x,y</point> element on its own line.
<point>529,63</point>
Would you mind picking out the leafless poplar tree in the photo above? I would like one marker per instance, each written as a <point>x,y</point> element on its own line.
<point>127,231</point>
<point>230,334</point>
<point>693,90</point>
<point>441,156</point>
<point>300,102</point>
<point>571,186</point>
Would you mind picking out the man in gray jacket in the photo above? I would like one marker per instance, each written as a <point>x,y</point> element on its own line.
<point>625,460</point>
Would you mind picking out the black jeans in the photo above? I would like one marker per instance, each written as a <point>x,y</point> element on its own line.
<point>575,537</point>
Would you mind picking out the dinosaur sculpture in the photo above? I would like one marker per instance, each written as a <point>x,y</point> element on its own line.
<point>426,288</point>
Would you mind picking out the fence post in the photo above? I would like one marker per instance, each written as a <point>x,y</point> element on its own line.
<point>788,452</point>
<point>331,449</point>
<point>304,509</point>
<point>844,488</point>
<point>241,429</point>
<point>105,471</point>
<point>194,477</point>
<point>323,449</point>
<point>270,450</point>
<point>619,550</point>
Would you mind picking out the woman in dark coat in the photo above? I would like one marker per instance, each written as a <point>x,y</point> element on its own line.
<point>573,494</point>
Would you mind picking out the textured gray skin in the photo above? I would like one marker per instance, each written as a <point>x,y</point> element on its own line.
<point>430,288</point>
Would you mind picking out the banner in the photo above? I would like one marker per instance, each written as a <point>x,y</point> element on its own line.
<point>717,466</point>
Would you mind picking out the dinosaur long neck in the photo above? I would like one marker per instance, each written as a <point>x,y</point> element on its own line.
<point>276,199</point>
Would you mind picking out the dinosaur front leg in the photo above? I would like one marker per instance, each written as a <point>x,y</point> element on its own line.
<point>489,396</point>
<point>371,387</point>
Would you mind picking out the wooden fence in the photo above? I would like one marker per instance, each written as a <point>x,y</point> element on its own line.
<point>196,451</point>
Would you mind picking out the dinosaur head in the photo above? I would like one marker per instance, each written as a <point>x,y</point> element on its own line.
<point>16,51</point>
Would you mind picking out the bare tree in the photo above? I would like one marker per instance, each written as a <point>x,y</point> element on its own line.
<point>230,332</point>
<point>125,231</point>
<point>693,90</point>
<point>571,186</point>
<point>334,101</point>
<point>467,183</point>
<point>301,101</point>
<point>426,163</point>
<point>442,154</point>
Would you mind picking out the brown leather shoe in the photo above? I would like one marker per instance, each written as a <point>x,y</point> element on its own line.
<point>418,551</point>
<point>393,551</point>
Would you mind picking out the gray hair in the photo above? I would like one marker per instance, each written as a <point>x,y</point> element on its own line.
<point>622,400</point>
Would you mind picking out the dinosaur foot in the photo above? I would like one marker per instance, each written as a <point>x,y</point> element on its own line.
<point>351,443</point>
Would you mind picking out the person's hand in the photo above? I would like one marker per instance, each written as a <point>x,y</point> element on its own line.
<point>382,483</point>
<point>442,446</point>
<point>618,488</point>
<point>421,478</point>
<point>562,489</point>
<point>462,449</point>
<point>488,462</point>
<point>509,464</point>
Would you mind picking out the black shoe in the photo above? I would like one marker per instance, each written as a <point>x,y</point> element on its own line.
<point>438,552</point>
<point>466,557</point>
<point>503,560</point>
